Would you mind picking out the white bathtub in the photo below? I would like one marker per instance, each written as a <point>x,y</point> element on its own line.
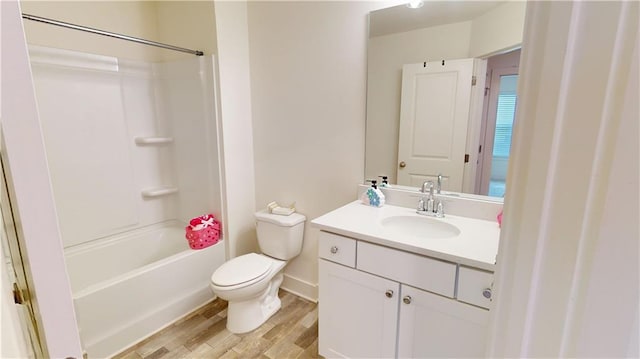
<point>129,286</point>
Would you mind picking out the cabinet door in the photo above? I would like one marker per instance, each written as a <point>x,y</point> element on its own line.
<point>358,313</point>
<point>438,327</point>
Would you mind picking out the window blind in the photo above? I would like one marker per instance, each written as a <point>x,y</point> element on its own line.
<point>504,124</point>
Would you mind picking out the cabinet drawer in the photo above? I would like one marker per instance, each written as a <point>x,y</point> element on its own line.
<point>472,284</point>
<point>412,269</point>
<point>337,248</point>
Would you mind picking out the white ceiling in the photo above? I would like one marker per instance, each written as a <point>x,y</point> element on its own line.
<point>401,18</point>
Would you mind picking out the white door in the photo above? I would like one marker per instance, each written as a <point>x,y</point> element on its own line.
<point>437,327</point>
<point>358,313</point>
<point>434,113</point>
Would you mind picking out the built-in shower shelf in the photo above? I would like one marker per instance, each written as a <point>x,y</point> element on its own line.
<point>150,141</point>
<point>158,191</point>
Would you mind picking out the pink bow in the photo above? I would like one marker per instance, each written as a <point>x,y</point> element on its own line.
<point>201,222</point>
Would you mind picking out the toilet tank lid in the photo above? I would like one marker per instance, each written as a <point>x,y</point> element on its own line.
<point>284,221</point>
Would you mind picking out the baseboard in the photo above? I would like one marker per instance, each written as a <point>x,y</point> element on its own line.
<point>300,288</point>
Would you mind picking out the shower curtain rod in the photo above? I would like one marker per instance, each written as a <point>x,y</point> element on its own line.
<point>110,34</point>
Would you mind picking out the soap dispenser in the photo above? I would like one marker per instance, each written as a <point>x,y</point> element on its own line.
<point>385,182</point>
<point>373,196</point>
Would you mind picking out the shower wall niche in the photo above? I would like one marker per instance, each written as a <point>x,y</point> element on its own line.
<point>129,143</point>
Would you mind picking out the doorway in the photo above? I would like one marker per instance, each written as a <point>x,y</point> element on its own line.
<point>497,123</point>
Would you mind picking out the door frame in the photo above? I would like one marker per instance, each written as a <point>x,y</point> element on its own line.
<point>32,330</point>
<point>489,128</point>
<point>29,179</point>
<point>571,207</point>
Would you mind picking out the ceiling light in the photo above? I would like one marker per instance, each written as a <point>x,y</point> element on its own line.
<point>414,4</point>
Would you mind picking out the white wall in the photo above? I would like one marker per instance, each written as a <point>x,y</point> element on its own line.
<point>238,179</point>
<point>189,24</point>
<point>133,18</point>
<point>308,75</point>
<point>498,30</point>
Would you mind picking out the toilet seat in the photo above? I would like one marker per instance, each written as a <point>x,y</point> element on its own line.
<point>242,271</point>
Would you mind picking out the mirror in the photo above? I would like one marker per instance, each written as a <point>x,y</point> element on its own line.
<point>484,32</point>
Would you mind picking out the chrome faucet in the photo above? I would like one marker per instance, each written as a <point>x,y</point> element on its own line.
<point>428,206</point>
<point>427,185</point>
<point>439,188</point>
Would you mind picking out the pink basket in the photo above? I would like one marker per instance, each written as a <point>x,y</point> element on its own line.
<point>203,238</point>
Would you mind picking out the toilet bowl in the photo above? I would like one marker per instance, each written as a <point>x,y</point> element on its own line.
<point>250,282</point>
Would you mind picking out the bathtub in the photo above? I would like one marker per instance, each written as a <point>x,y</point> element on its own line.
<point>129,286</point>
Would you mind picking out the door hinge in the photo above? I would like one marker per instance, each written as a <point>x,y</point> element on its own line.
<point>466,157</point>
<point>473,80</point>
<point>17,294</point>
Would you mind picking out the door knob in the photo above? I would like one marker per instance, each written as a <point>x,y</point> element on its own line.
<point>487,293</point>
<point>403,164</point>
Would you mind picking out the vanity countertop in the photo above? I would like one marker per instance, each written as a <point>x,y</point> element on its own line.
<point>476,245</point>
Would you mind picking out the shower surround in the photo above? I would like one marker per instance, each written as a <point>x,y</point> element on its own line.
<point>132,148</point>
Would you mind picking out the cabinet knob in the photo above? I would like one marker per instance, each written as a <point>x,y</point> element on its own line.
<point>389,293</point>
<point>487,293</point>
<point>334,249</point>
<point>407,299</point>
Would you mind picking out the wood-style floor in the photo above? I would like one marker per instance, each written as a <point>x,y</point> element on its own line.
<point>290,333</point>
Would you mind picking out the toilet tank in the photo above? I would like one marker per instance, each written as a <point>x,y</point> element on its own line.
<point>280,236</point>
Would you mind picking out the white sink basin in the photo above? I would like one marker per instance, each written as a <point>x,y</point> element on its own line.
<point>424,227</point>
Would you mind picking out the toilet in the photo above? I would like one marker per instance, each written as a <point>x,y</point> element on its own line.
<point>250,282</point>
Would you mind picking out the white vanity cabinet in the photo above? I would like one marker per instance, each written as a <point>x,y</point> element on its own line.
<point>432,326</point>
<point>380,302</point>
<point>358,313</point>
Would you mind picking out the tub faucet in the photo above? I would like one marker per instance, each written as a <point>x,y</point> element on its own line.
<point>428,206</point>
